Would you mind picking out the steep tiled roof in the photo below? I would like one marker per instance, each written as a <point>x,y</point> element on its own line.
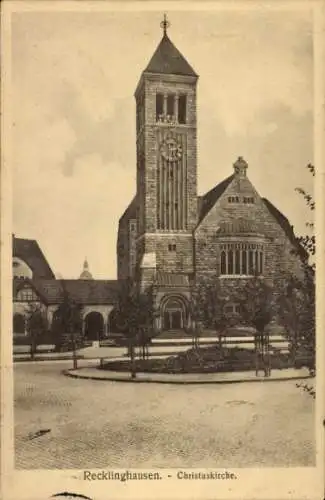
<point>167,59</point>
<point>30,252</point>
<point>81,291</point>
<point>171,279</point>
<point>286,226</point>
<point>211,197</point>
<point>131,211</point>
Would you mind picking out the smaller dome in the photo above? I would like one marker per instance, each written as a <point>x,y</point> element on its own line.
<point>86,274</point>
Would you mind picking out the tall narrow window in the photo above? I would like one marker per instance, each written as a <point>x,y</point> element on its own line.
<point>244,265</point>
<point>230,262</point>
<point>237,262</point>
<point>159,106</point>
<point>261,262</point>
<point>251,262</point>
<point>223,269</point>
<point>170,104</point>
<point>182,109</point>
<point>256,266</point>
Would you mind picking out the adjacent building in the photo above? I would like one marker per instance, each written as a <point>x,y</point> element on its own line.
<point>34,283</point>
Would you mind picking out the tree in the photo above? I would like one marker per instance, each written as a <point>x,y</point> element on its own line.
<point>127,319</point>
<point>144,313</point>
<point>258,306</point>
<point>308,241</point>
<point>68,324</point>
<point>208,308</point>
<point>36,325</point>
<point>298,310</point>
<point>196,312</point>
<point>136,317</point>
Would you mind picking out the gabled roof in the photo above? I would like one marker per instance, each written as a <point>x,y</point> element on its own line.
<point>30,252</point>
<point>208,200</point>
<point>286,226</point>
<point>167,59</point>
<point>83,292</point>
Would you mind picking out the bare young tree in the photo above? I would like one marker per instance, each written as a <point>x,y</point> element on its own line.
<point>68,324</point>
<point>257,308</point>
<point>37,325</point>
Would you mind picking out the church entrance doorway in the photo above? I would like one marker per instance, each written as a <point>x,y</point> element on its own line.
<point>173,320</point>
<point>174,314</point>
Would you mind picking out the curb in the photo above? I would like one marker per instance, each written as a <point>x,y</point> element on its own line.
<point>47,358</point>
<point>148,380</point>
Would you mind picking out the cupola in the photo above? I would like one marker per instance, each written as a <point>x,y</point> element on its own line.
<point>86,275</point>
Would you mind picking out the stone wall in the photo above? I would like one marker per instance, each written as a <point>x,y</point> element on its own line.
<point>150,240</point>
<point>180,260</point>
<point>126,248</point>
<point>278,250</point>
<point>184,85</point>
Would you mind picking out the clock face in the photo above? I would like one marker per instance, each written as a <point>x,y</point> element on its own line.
<point>171,150</point>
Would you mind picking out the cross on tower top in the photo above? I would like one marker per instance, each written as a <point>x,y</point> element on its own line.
<point>165,24</point>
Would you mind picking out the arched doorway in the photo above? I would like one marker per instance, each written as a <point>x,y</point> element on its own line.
<point>94,326</point>
<point>173,314</point>
<point>19,324</point>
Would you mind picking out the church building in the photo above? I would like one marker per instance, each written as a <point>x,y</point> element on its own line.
<point>170,236</point>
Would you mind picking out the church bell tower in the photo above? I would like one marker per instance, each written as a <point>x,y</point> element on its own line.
<point>166,131</point>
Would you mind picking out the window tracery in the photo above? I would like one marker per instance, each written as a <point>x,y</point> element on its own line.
<point>241,259</point>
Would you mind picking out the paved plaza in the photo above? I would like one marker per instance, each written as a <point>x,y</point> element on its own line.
<point>93,424</point>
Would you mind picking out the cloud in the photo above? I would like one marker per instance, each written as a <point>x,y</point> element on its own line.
<point>75,216</point>
<point>105,137</point>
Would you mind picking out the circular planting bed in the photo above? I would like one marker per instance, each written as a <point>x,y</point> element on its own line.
<point>202,360</point>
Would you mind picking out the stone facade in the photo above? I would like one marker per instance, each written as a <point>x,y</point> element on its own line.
<point>231,233</point>
<point>278,250</point>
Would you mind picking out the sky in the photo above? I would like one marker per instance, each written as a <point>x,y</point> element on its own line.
<point>73,142</point>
